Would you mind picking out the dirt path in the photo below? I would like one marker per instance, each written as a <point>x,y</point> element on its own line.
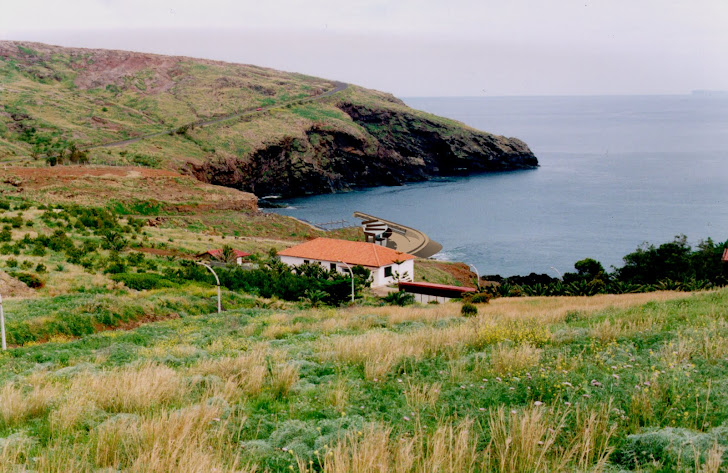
<point>339,86</point>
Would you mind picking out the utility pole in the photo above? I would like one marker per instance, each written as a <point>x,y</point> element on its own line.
<point>352,279</point>
<point>219,304</point>
<point>2,323</point>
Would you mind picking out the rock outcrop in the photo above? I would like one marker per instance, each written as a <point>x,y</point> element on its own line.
<point>396,147</point>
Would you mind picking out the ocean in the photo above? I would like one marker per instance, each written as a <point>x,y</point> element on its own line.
<point>615,172</point>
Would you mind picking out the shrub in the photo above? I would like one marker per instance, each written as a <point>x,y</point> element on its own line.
<point>480,298</point>
<point>30,280</point>
<point>468,310</point>
<point>400,298</point>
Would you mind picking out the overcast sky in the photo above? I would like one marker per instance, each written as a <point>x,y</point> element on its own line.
<point>416,47</point>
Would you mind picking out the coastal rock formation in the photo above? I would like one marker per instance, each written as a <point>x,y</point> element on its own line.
<point>397,147</point>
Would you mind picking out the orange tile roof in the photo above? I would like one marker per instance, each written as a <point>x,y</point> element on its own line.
<point>725,255</point>
<point>351,252</point>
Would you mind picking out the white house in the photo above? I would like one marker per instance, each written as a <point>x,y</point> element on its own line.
<point>384,263</point>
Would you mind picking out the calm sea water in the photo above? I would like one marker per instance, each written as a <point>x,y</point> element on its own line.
<point>615,172</point>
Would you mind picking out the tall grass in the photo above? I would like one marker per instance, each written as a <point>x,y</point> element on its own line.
<point>243,374</point>
<point>20,403</point>
<point>132,389</point>
<point>505,358</point>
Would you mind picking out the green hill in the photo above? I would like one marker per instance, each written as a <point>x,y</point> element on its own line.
<point>310,135</point>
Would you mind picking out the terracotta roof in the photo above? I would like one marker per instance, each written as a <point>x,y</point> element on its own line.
<point>351,252</point>
<point>218,253</point>
<point>725,255</point>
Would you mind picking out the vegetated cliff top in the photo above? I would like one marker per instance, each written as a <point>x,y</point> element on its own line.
<point>274,132</point>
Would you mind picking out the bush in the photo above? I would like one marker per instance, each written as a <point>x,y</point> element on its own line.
<point>468,310</point>
<point>400,298</point>
<point>30,280</point>
<point>480,298</point>
<point>142,281</point>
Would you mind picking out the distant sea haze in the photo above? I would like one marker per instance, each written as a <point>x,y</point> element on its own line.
<point>616,171</point>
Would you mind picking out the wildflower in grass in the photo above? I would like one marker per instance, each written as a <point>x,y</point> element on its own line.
<point>538,403</point>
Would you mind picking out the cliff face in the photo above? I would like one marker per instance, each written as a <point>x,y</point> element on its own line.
<point>323,161</point>
<point>445,149</point>
<point>396,147</point>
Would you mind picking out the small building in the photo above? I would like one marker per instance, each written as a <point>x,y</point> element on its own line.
<point>426,292</point>
<point>387,265</point>
<point>216,256</point>
<point>725,255</point>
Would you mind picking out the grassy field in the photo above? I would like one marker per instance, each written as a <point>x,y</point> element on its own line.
<point>606,383</point>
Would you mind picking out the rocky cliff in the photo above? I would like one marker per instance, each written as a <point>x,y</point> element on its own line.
<point>394,145</point>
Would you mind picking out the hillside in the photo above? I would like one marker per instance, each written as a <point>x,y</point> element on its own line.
<point>201,117</point>
<point>607,383</point>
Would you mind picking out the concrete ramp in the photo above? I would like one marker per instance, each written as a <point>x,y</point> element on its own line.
<point>405,239</point>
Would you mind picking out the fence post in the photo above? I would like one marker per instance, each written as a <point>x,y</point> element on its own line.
<point>2,323</point>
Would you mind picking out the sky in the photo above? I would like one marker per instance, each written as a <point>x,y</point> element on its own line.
<point>415,47</point>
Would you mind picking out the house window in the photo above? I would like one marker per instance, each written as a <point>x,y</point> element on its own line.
<point>332,266</point>
<point>306,261</point>
<point>388,272</point>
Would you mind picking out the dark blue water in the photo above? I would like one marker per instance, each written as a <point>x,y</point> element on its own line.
<point>615,172</point>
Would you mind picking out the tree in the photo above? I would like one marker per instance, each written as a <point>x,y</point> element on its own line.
<point>590,269</point>
<point>227,255</point>
<point>650,264</point>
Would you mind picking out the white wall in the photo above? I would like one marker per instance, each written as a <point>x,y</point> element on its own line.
<point>380,280</point>
<point>377,273</point>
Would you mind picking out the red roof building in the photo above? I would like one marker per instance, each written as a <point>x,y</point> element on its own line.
<point>387,265</point>
<point>216,255</point>
<point>351,252</point>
